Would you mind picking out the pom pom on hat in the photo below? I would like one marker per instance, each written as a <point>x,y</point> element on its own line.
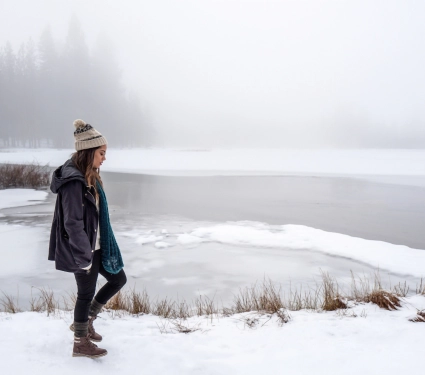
<point>79,124</point>
<point>86,136</point>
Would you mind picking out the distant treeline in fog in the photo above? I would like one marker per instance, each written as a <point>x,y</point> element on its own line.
<point>47,84</point>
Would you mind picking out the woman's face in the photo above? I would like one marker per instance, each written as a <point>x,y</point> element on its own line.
<point>99,156</point>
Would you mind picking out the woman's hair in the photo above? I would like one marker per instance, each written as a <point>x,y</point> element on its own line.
<point>83,161</point>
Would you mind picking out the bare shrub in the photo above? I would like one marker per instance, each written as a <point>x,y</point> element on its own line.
<point>24,176</point>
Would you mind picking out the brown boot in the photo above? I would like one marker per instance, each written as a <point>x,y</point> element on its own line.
<point>94,336</point>
<point>83,347</point>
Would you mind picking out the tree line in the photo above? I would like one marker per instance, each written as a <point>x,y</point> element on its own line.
<point>46,85</point>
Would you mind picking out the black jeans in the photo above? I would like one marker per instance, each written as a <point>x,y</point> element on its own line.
<point>86,284</point>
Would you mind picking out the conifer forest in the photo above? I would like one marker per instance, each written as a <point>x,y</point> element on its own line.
<point>46,84</point>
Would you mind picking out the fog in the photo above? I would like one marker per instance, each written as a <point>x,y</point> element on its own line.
<point>212,74</point>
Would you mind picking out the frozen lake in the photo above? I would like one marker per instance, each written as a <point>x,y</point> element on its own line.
<point>150,214</point>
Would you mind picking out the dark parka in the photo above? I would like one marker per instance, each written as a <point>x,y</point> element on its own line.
<point>75,221</point>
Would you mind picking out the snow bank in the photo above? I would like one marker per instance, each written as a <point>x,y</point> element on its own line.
<point>370,341</point>
<point>394,258</point>
<point>21,197</point>
<point>242,161</point>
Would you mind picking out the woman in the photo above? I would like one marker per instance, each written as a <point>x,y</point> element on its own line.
<point>81,239</point>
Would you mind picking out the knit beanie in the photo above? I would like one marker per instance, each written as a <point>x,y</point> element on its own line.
<point>86,136</point>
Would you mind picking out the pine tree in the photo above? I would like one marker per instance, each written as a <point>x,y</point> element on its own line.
<point>48,87</point>
<point>8,95</point>
<point>76,101</point>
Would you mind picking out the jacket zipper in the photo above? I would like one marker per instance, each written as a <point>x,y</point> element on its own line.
<point>88,271</point>
<point>93,199</point>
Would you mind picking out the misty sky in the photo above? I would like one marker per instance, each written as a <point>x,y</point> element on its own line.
<point>257,73</point>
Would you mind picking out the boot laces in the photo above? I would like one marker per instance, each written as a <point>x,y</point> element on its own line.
<point>91,319</point>
<point>89,342</point>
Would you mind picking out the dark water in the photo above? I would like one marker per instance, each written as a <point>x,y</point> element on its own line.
<point>371,210</point>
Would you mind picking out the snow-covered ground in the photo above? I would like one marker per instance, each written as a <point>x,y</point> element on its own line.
<point>242,161</point>
<point>367,340</point>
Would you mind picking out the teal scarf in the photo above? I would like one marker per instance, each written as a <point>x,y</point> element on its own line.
<point>111,255</point>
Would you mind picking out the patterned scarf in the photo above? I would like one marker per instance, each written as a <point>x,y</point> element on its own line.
<point>111,255</point>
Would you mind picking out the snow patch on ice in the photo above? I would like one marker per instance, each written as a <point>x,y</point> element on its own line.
<point>162,245</point>
<point>141,240</point>
<point>188,239</point>
<point>21,197</point>
<point>394,258</point>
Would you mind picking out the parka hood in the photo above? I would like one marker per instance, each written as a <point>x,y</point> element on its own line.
<point>65,173</point>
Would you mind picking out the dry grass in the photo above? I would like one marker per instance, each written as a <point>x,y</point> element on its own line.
<point>384,299</point>
<point>46,302</point>
<point>332,300</point>
<point>401,289</point>
<point>183,327</point>
<point>364,291</point>
<point>261,299</point>
<point>206,306</point>
<point>24,176</point>
<point>346,313</point>
<point>69,301</point>
<point>117,302</point>
<point>420,289</point>
<point>9,304</point>
<point>283,316</point>
<point>139,302</point>
<point>419,318</point>
<point>250,321</point>
<point>264,298</point>
<point>300,299</point>
<point>164,308</point>
<point>176,326</point>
